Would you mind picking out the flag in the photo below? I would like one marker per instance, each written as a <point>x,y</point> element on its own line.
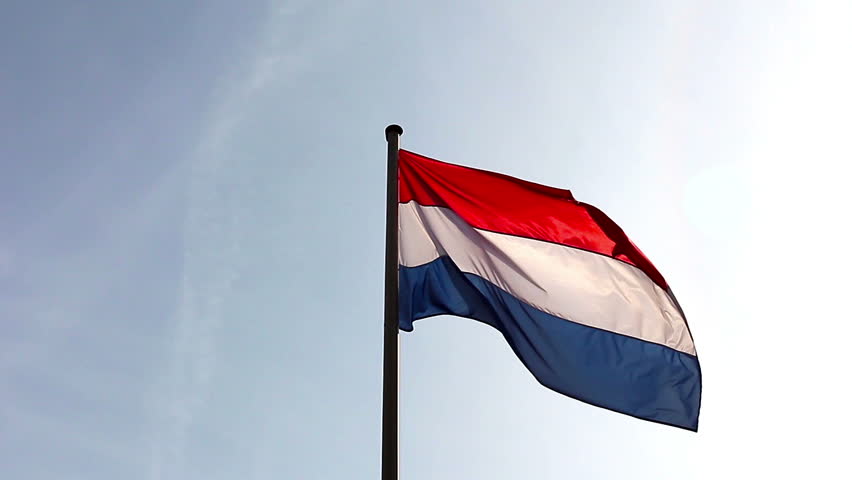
<point>580,305</point>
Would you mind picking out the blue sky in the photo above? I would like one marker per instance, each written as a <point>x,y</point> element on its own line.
<point>191,228</point>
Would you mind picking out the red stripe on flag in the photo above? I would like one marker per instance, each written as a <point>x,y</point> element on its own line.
<point>504,204</point>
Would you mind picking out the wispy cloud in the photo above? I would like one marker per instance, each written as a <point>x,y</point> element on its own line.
<point>213,256</point>
<point>211,263</point>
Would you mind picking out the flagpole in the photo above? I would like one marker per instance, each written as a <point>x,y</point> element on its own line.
<point>390,387</point>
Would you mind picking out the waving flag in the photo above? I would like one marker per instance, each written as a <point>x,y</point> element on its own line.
<point>580,305</point>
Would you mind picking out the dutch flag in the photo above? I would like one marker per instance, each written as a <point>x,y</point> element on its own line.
<point>580,305</point>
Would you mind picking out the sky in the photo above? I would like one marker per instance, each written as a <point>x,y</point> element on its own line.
<point>192,227</point>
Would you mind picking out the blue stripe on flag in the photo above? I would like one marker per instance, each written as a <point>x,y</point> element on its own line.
<point>606,369</point>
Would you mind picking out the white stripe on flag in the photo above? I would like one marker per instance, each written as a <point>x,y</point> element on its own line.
<point>573,284</point>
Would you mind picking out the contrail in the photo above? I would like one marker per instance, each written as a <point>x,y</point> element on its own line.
<point>212,254</point>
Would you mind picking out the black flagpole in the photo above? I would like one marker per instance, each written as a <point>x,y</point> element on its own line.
<point>390,391</point>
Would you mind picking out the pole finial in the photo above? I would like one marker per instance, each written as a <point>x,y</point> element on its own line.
<point>392,129</point>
